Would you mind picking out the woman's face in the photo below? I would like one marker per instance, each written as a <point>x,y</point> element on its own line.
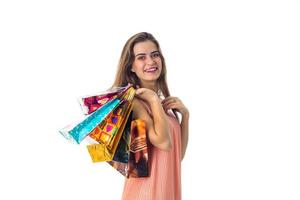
<point>147,62</point>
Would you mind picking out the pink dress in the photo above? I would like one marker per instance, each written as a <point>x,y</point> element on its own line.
<point>164,181</point>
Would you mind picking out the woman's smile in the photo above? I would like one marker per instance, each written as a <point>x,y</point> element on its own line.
<point>151,70</point>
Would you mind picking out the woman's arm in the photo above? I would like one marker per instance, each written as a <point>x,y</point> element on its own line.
<point>176,103</point>
<point>157,125</point>
<point>184,134</point>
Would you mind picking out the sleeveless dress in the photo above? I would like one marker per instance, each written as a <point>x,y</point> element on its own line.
<point>164,181</point>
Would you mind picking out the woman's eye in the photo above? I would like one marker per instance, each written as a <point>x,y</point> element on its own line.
<point>141,58</point>
<point>155,55</point>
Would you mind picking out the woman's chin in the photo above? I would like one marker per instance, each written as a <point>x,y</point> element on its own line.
<point>151,79</point>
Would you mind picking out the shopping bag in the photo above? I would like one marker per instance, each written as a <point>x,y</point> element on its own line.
<point>122,152</point>
<point>109,132</point>
<point>91,103</point>
<point>80,130</point>
<point>137,165</point>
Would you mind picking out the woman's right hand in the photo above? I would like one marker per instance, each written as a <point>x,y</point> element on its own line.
<point>146,95</point>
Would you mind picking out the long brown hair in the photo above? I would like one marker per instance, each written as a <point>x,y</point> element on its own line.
<point>125,75</point>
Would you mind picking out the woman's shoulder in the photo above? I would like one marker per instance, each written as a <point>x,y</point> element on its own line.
<point>139,106</point>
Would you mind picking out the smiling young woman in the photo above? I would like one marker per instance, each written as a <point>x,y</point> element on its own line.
<point>143,65</point>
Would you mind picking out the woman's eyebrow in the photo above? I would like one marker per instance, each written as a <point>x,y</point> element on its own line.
<point>142,54</point>
<point>154,52</point>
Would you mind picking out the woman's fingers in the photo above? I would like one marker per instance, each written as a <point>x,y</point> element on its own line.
<point>170,106</point>
<point>170,103</point>
<point>146,94</point>
<point>139,91</point>
<point>174,103</point>
<point>170,100</point>
<point>167,100</point>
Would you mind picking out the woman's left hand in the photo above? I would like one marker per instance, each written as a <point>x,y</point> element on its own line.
<point>176,104</point>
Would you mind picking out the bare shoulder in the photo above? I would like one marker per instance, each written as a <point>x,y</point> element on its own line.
<point>139,110</point>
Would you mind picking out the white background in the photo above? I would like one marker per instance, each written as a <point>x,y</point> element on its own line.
<point>235,64</point>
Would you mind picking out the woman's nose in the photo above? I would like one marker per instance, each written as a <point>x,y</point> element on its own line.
<point>150,60</point>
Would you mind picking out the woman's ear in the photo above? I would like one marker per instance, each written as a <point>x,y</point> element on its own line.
<point>132,69</point>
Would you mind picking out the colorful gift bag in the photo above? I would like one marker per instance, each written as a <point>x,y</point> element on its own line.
<point>81,130</point>
<point>122,152</point>
<point>91,103</point>
<point>137,165</point>
<point>111,133</point>
<point>108,133</point>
